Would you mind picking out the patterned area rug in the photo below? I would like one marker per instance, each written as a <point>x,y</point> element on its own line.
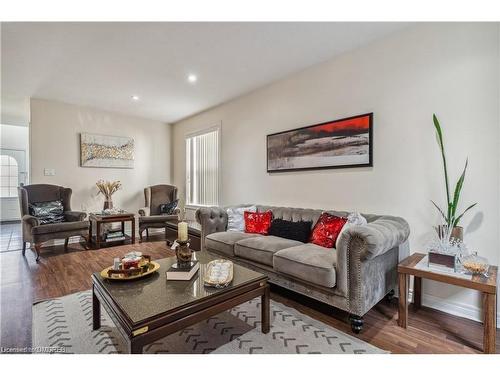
<point>66,323</point>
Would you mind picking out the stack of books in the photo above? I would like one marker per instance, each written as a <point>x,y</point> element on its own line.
<point>113,236</point>
<point>186,273</point>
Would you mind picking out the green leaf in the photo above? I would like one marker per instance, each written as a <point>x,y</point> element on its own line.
<point>439,136</point>
<point>455,223</point>
<point>440,210</point>
<point>458,189</point>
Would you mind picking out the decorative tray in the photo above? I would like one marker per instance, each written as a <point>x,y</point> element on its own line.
<point>219,273</point>
<point>143,267</point>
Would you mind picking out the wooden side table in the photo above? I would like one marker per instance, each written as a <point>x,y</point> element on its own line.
<point>486,285</point>
<point>99,220</point>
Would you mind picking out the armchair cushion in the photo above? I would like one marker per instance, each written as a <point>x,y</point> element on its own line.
<point>47,212</point>
<point>60,227</point>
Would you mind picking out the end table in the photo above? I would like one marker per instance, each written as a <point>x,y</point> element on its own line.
<point>112,218</point>
<point>486,285</point>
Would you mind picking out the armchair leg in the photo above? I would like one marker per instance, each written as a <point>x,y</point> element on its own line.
<point>356,323</point>
<point>24,248</point>
<point>66,241</point>
<point>147,233</point>
<point>38,246</point>
<point>140,234</point>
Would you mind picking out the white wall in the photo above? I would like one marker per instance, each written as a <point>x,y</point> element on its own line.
<point>55,143</point>
<point>13,137</point>
<point>450,69</point>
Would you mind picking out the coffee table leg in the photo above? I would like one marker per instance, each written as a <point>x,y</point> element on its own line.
<point>96,311</point>
<point>403,300</point>
<point>489,323</point>
<point>265,310</point>
<point>134,348</point>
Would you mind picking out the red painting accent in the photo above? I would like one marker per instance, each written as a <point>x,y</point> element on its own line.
<point>356,124</point>
<point>327,229</point>
<point>258,222</point>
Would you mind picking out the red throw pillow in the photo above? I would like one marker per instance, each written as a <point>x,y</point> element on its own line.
<point>327,229</point>
<point>258,222</point>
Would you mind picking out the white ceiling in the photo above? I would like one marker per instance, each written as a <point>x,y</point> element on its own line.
<point>103,64</point>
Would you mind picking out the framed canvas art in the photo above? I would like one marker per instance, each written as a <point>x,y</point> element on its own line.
<point>105,151</point>
<point>344,143</point>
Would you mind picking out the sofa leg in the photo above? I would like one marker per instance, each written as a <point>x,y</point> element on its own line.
<point>66,242</point>
<point>356,323</point>
<point>38,246</point>
<point>24,248</point>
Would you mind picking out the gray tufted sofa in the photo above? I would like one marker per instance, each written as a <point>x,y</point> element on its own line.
<point>354,277</point>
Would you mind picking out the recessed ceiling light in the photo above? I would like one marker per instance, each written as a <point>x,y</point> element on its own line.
<point>135,97</point>
<point>192,78</point>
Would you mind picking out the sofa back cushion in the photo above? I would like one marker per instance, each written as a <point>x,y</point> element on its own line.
<point>292,230</point>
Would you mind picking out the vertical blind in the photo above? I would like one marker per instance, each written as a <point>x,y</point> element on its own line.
<point>202,169</point>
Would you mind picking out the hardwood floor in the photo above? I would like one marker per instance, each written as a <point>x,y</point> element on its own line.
<point>23,281</point>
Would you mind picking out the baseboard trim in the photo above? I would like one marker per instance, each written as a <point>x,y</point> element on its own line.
<point>457,309</point>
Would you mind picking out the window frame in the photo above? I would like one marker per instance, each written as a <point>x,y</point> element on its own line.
<point>211,129</point>
<point>9,186</point>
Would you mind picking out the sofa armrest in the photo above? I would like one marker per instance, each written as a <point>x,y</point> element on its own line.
<point>367,259</point>
<point>31,221</point>
<point>144,211</point>
<point>378,236</point>
<point>74,215</point>
<point>211,219</point>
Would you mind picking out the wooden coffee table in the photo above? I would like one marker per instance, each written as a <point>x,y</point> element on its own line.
<point>148,309</point>
<point>99,220</point>
<point>486,285</point>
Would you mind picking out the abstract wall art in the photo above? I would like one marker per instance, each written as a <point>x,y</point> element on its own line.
<point>343,143</point>
<point>105,151</point>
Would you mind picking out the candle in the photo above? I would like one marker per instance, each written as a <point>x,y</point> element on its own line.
<point>182,231</point>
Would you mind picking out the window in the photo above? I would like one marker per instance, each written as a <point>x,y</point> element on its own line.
<point>9,176</point>
<point>202,168</point>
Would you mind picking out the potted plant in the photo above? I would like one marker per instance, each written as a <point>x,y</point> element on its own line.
<point>450,229</point>
<point>107,189</point>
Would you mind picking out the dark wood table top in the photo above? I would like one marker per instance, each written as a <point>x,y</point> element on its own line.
<point>477,282</point>
<point>154,295</point>
<point>111,217</point>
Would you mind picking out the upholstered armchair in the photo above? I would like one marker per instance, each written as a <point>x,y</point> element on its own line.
<point>35,231</point>
<point>150,216</point>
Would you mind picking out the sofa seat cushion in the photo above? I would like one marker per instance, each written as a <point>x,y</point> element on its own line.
<point>262,248</point>
<point>60,227</point>
<point>308,262</point>
<point>223,242</point>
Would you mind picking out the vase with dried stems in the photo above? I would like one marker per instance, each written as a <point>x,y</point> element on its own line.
<point>108,188</point>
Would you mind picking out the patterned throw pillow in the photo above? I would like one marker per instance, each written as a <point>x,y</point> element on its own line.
<point>292,230</point>
<point>258,222</point>
<point>47,212</point>
<point>235,220</point>
<point>168,208</point>
<point>327,229</point>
